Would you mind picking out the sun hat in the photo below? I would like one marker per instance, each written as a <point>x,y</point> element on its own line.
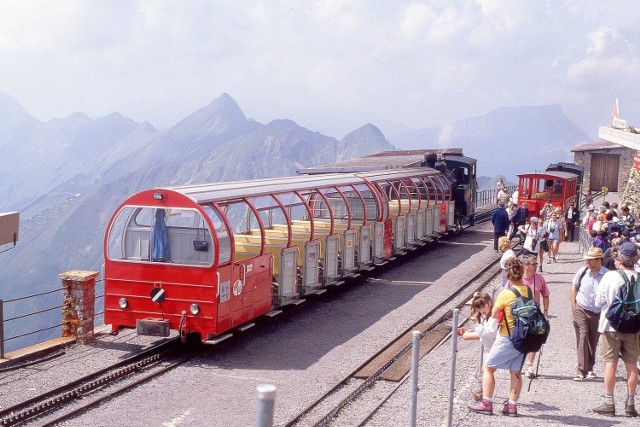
<point>628,249</point>
<point>593,253</point>
<point>533,219</point>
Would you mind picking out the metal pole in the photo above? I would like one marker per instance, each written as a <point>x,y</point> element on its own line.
<point>266,398</point>
<point>1,329</point>
<point>452,375</point>
<point>415,358</point>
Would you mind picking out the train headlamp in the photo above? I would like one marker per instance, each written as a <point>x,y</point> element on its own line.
<point>123,303</point>
<point>194,309</point>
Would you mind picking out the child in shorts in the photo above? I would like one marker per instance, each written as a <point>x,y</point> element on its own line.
<point>485,329</point>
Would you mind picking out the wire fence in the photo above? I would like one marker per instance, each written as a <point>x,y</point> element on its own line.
<point>22,327</point>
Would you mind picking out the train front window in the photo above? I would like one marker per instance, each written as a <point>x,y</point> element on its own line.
<point>147,234</point>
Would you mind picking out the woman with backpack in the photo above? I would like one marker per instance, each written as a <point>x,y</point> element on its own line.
<point>503,354</point>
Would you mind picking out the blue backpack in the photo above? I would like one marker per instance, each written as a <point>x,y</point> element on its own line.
<point>624,312</point>
<point>531,328</point>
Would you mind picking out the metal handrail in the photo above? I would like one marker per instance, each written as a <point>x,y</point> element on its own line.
<point>4,320</point>
<point>33,295</point>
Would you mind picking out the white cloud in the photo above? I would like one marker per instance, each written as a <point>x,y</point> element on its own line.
<point>414,61</point>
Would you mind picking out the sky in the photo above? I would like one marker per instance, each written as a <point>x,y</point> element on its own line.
<point>329,65</point>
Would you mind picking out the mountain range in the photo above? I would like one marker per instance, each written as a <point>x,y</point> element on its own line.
<point>67,176</point>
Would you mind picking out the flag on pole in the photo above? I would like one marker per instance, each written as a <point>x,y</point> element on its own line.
<point>615,111</point>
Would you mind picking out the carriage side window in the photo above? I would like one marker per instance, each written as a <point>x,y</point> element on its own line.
<point>224,241</point>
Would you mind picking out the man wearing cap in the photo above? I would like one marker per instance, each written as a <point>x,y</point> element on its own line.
<point>586,314</point>
<point>587,217</point>
<point>500,221</point>
<point>613,344</point>
<point>572,216</point>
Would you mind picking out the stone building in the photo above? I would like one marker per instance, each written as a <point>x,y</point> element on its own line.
<point>612,162</point>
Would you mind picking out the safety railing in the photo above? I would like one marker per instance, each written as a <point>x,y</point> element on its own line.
<point>584,239</point>
<point>42,325</point>
<point>490,197</point>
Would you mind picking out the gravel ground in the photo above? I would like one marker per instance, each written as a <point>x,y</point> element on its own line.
<point>17,385</point>
<point>305,352</point>
<point>554,398</point>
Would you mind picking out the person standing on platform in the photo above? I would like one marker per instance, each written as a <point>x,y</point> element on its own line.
<point>627,219</point>
<point>532,238</point>
<point>586,315</point>
<point>615,345</point>
<point>500,221</point>
<point>538,286</point>
<point>502,196</point>
<point>518,217</point>
<point>553,227</point>
<point>571,217</point>
<point>503,355</point>
<point>505,246</point>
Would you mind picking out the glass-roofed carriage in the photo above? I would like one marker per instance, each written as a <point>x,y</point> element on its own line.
<point>206,259</point>
<point>560,188</point>
<point>459,174</point>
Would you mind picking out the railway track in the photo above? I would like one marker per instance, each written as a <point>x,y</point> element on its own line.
<point>387,369</point>
<point>80,396</point>
<point>69,400</point>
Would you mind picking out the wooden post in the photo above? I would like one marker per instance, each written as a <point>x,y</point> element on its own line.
<point>78,311</point>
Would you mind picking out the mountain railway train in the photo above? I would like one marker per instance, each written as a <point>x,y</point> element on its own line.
<point>560,185</point>
<point>207,259</point>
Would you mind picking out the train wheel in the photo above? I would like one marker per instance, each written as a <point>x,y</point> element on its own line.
<point>193,340</point>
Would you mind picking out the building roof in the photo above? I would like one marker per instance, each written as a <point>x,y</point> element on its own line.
<point>600,144</point>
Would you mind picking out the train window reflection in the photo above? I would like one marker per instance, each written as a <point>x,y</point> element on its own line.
<point>148,234</point>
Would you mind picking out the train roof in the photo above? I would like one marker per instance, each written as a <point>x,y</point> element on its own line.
<point>400,159</point>
<point>220,191</point>
<point>549,174</point>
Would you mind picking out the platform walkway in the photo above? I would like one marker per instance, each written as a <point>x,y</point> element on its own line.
<point>553,399</point>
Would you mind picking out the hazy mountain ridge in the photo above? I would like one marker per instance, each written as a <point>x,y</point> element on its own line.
<point>216,143</point>
<point>510,140</point>
<point>98,163</point>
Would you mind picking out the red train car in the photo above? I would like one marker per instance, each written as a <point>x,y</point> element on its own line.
<point>557,187</point>
<point>206,259</point>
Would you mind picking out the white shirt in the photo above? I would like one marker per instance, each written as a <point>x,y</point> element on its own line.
<point>588,286</point>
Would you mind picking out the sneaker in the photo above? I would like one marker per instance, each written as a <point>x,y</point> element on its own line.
<point>591,375</point>
<point>529,372</point>
<point>509,410</point>
<point>630,410</point>
<point>549,261</point>
<point>579,377</point>
<point>605,409</point>
<point>482,407</point>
